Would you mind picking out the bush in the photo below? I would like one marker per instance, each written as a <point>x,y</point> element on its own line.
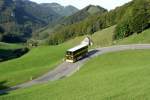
<point>135,20</point>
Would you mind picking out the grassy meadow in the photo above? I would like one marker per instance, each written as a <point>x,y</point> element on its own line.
<point>33,64</point>
<point>98,79</point>
<point>42,59</point>
<point>7,46</point>
<point>103,38</point>
<point>103,78</point>
<point>137,38</point>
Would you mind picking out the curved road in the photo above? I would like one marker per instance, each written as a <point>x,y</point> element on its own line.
<point>66,69</point>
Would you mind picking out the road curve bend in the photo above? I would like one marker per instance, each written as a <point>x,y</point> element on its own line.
<point>66,69</point>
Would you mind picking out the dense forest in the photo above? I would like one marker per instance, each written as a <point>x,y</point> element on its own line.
<point>133,17</point>
<point>135,20</point>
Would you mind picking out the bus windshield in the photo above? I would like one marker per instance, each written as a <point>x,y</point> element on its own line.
<point>69,53</point>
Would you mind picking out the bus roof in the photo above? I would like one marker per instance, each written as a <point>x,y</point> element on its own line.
<point>77,47</point>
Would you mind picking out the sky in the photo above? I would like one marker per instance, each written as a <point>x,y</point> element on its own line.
<point>108,4</point>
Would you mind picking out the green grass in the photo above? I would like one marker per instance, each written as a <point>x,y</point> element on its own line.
<point>33,64</point>
<point>104,37</point>
<point>7,50</point>
<point>6,46</point>
<point>38,61</point>
<point>103,78</point>
<point>101,38</point>
<point>42,59</point>
<point>143,37</point>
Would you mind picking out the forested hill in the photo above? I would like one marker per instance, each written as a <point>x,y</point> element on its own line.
<point>133,17</point>
<point>83,14</point>
<point>69,20</point>
<point>19,18</point>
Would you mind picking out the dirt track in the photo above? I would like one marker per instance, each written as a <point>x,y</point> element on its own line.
<point>66,69</point>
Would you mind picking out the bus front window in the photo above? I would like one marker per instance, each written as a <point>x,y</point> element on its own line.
<point>68,53</point>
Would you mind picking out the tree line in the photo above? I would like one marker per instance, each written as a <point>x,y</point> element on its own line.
<point>133,17</point>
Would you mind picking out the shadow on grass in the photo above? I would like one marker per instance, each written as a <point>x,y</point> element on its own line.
<point>3,86</point>
<point>11,54</point>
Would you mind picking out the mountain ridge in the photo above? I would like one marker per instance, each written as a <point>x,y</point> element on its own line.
<point>62,10</point>
<point>77,17</point>
<point>19,18</point>
<point>132,17</point>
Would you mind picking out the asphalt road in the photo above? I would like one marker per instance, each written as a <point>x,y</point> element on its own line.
<point>66,69</point>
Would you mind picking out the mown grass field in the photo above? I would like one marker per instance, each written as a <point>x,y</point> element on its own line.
<point>143,37</point>
<point>7,46</point>
<point>104,37</point>
<point>33,64</point>
<point>103,78</point>
<point>42,59</point>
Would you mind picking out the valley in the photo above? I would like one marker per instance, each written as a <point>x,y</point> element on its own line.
<point>50,64</point>
<point>34,38</point>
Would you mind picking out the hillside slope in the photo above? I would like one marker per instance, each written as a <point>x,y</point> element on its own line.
<point>42,59</point>
<point>88,25</point>
<point>33,64</point>
<point>19,18</point>
<point>61,10</point>
<point>10,46</point>
<point>83,14</point>
<point>105,38</point>
<point>132,17</point>
<point>143,37</point>
<point>10,51</point>
<point>98,79</point>
<point>65,22</point>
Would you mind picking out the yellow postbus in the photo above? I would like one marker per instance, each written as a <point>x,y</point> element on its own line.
<point>76,53</point>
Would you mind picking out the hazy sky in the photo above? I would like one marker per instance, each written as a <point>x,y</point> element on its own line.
<point>109,4</point>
